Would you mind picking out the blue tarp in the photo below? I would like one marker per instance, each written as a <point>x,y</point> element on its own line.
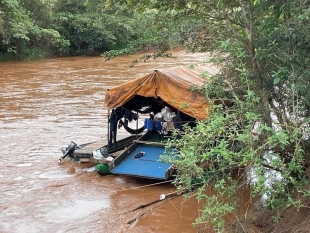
<point>147,166</point>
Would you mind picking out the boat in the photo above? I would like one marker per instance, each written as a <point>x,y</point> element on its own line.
<point>164,99</point>
<point>166,96</point>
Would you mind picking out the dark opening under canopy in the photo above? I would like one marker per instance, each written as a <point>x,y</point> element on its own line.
<point>162,87</point>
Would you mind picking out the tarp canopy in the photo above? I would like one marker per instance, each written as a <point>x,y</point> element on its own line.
<point>171,85</point>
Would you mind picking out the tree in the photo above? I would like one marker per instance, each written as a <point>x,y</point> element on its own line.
<point>152,33</point>
<point>263,49</point>
<point>91,27</point>
<point>35,29</point>
<point>23,36</point>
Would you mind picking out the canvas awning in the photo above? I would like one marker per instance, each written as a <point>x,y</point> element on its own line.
<point>172,85</point>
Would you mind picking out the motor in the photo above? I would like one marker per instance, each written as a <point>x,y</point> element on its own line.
<point>68,151</point>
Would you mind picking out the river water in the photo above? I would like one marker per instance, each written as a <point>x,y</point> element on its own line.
<point>44,105</point>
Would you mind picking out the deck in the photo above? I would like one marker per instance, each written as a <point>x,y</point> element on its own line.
<point>85,154</point>
<point>148,166</point>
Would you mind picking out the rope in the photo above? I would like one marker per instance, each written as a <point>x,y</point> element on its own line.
<point>144,186</point>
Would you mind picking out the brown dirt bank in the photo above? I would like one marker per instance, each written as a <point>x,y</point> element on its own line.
<point>292,220</point>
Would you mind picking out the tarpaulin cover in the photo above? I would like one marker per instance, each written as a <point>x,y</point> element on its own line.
<point>148,166</point>
<point>172,85</point>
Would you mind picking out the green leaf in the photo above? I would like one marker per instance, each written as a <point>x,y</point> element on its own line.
<point>276,81</point>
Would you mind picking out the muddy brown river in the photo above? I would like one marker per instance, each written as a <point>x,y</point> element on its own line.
<point>44,105</point>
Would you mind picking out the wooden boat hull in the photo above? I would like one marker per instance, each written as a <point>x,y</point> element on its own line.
<point>85,154</point>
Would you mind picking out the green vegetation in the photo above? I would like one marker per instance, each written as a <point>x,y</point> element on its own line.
<point>31,29</point>
<point>24,31</point>
<point>260,122</point>
<point>261,126</point>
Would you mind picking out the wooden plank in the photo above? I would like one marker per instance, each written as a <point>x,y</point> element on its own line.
<point>150,142</point>
<point>84,160</point>
<point>87,150</point>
